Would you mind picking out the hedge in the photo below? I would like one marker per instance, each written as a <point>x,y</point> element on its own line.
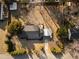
<point>18,52</point>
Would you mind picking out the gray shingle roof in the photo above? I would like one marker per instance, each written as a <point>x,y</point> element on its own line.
<point>31,28</point>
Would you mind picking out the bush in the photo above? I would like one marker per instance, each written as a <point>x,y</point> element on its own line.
<point>56,50</point>
<point>68,24</point>
<point>62,32</point>
<point>14,27</point>
<point>59,48</point>
<point>10,45</point>
<point>18,52</point>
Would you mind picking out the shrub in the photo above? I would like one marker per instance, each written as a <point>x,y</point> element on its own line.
<point>63,30</point>
<point>18,52</point>
<point>69,24</point>
<point>56,50</point>
<point>59,48</point>
<point>10,45</point>
<point>14,27</point>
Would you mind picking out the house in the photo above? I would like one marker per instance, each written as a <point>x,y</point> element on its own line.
<point>74,33</point>
<point>31,32</point>
<point>3,12</point>
<point>34,32</point>
<point>13,6</point>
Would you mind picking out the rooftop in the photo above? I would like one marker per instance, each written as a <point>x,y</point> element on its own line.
<point>75,33</point>
<point>31,28</point>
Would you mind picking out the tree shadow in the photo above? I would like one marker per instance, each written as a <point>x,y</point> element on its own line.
<point>29,43</point>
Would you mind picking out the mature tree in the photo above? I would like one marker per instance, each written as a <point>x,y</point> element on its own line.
<point>14,27</point>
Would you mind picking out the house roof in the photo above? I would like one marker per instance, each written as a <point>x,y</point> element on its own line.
<point>13,6</point>
<point>31,28</point>
<point>75,33</point>
<point>30,32</point>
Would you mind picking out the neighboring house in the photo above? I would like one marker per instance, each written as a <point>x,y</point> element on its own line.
<point>54,0</point>
<point>3,12</point>
<point>13,6</point>
<point>34,32</point>
<point>74,33</point>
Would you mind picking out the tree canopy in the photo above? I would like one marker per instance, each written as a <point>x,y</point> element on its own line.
<point>14,27</point>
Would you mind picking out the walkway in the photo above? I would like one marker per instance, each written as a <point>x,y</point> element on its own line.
<point>48,53</point>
